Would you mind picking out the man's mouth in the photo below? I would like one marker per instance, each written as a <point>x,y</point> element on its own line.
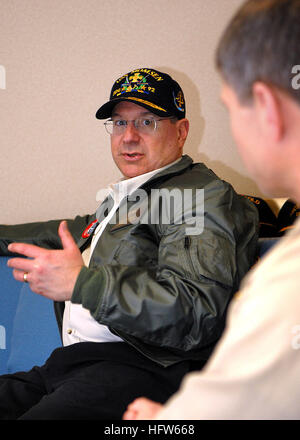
<point>132,156</point>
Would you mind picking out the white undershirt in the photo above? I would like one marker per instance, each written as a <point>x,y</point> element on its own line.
<point>78,323</point>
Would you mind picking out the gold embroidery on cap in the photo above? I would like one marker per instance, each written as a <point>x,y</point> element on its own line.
<point>146,102</point>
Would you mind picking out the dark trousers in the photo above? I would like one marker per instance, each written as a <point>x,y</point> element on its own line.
<point>87,381</point>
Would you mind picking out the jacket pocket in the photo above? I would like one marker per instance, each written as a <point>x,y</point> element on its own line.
<point>210,256</point>
<point>130,254</point>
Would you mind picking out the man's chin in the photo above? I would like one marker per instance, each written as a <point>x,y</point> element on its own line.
<point>130,171</point>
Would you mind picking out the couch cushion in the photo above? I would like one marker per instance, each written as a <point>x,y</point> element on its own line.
<point>28,328</point>
<point>9,297</point>
<point>266,244</point>
<point>35,333</point>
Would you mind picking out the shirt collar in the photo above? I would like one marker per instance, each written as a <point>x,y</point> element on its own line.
<point>126,187</point>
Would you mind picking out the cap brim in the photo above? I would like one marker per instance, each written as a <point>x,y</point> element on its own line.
<point>106,109</point>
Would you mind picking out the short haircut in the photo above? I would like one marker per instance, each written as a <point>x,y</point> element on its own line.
<point>261,43</point>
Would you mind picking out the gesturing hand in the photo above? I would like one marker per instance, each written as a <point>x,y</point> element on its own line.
<point>51,273</point>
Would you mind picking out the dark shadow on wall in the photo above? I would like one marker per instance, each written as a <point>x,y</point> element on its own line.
<point>193,107</point>
<point>241,183</point>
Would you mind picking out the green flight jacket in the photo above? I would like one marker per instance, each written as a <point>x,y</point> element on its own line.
<point>159,288</point>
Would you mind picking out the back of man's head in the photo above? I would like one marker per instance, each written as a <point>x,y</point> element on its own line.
<point>262,43</point>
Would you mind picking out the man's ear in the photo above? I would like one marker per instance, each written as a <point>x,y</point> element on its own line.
<point>182,130</point>
<point>269,111</point>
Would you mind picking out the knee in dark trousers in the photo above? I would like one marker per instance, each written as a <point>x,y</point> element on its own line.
<point>87,381</point>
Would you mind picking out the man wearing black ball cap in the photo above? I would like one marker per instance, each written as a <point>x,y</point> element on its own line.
<point>140,300</point>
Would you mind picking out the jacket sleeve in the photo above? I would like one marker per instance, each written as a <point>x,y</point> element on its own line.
<point>179,304</point>
<point>44,234</point>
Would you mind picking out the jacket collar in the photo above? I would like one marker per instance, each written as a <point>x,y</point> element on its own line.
<point>177,168</point>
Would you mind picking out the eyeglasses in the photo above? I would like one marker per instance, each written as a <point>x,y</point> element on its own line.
<point>143,125</point>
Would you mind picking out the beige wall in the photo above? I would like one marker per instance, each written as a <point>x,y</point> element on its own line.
<point>60,58</point>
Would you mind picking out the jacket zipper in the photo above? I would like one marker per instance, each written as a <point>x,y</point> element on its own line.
<point>187,246</point>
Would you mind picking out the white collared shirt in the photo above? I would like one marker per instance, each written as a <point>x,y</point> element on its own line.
<point>78,324</point>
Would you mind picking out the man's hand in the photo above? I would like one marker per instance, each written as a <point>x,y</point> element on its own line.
<point>51,273</point>
<point>142,409</point>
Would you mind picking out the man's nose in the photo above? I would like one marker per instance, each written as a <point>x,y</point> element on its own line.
<point>131,133</point>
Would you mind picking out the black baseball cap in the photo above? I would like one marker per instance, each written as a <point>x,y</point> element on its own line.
<point>156,91</point>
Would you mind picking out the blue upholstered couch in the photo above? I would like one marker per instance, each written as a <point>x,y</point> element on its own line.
<point>28,329</point>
